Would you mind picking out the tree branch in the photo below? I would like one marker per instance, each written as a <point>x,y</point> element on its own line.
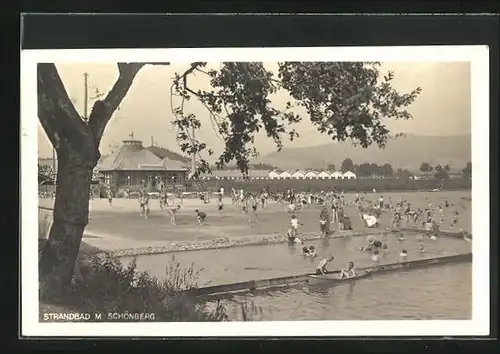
<point>59,118</point>
<point>103,110</point>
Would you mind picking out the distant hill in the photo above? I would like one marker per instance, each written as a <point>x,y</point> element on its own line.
<point>406,152</point>
<point>166,153</point>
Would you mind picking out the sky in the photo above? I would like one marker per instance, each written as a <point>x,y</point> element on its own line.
<point>443,107</point>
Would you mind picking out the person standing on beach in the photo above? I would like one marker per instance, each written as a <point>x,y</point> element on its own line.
<point>172,211</point>
<point>324,224</point>
<point>144,203</point>
<point>109,194</point>
<point>221,207</point>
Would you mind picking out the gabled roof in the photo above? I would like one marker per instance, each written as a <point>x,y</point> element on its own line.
<point>136,158</point>
<point>163,153</point>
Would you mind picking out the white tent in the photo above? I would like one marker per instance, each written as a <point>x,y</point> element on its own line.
<point>311,175</point>
<point>274,175</point>
<point>349,175</point>
<point>285,175</point>
<point>298,175</point>
<point>323,175</point>
<point>336,175</point>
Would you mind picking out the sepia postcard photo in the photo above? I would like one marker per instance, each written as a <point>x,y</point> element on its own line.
<point>255,192</point>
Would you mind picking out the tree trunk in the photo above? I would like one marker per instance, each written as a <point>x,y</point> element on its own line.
<point>71,210</point>
<point>77,145</point>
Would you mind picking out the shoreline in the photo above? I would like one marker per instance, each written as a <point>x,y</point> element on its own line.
<point>221,243</point>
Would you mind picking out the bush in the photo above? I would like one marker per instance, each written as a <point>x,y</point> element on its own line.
<point>104,285</point>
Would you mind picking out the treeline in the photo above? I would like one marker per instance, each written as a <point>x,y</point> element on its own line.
<point>367,169</point>
<point>347,185</point>
<point>442,172</point>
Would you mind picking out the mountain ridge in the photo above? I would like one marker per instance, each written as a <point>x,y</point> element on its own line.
<point>406,152</point>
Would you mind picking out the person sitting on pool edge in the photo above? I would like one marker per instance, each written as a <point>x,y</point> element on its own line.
<point>321,268</point>
<point>349,272</point>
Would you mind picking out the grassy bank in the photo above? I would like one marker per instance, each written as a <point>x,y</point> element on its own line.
<point>104,286</point>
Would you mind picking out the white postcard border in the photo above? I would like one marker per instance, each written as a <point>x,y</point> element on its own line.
<point>478,56</point>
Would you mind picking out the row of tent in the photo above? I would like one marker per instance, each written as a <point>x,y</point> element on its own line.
<point>312,175</point>
<point>263,174</point>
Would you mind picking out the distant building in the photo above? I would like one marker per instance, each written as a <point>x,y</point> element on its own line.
<point>349,175</point>
<point>274,175</point>
<point>323,175</point>
<point>134,165</point>
<point>236,174</point>
<point>311,175</point>
<point>336,175</point>
<point>298,175</point>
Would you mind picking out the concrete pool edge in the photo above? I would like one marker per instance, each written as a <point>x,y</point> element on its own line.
<point>222,243</point>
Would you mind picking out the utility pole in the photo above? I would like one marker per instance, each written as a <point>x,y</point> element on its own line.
<point>85,97</point>
<point>193,157</point>
<point>54,167</point>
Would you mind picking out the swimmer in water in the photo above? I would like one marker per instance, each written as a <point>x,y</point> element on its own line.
<point>375,255</point>
<point>421,248</point>
<point>305,251</point>
<point>369,246</point>
<point>312,251</point>
<point>433,237</point>
<point>401,237</point>
<point>403,254</point>
<point>349,272</point>
<point>455,219</point>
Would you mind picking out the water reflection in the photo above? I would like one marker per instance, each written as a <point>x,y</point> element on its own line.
<point>276,260</point>
<point>436,294</point>
<point>350,293</point>
<point>324,244</point>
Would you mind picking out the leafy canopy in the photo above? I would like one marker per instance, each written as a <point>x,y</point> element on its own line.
<point>346,100</point>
